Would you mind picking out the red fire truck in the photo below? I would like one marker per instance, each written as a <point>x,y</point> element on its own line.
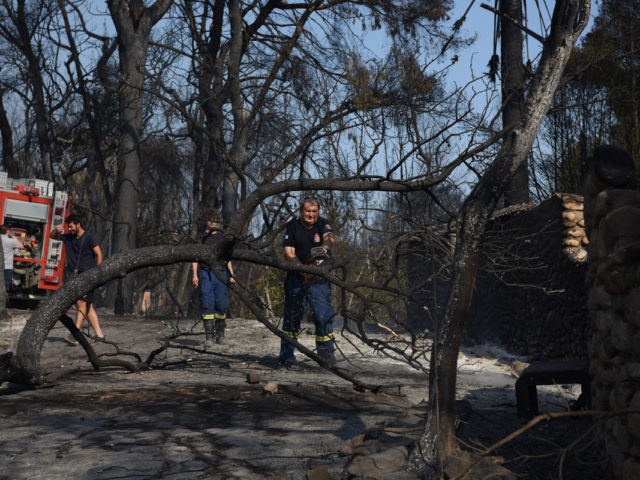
<point>31,209</point>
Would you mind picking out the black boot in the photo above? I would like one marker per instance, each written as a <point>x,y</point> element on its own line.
<point>220,326</point>
<point>326,351</point>
<point>208,331</point>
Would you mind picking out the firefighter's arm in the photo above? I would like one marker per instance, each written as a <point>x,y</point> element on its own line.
<point>290,255</point>
<point>194,279</point>
<point>328,240</point>
<point>98,253</point>
<point>230,268</point>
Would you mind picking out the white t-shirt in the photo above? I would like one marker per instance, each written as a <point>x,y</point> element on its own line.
<point>9,246</point>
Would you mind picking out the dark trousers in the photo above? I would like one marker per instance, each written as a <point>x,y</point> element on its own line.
<point>318,295</point>
<point>8,277</point>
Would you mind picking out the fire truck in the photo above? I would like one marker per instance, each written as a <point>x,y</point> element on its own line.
<point>31,209</point>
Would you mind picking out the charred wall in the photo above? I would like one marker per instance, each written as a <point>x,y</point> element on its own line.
<point>530,294</point>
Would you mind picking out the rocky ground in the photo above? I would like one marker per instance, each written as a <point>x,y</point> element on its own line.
<point>196,415</point>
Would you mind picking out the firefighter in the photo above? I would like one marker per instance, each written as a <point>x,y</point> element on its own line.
<point>308,240</point>
<point>213,291</point>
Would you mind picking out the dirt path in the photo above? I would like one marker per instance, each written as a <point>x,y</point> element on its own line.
<point>195,416</point>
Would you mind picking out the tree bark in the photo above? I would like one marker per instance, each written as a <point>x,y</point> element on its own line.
<point>3,292</point>
<point>25,367</point>
<point>438,441</point>
<point>21,36</point>
<point>133,22</point>
<point>8,159</point>
<point>98,194</point>
<point>513,87</point>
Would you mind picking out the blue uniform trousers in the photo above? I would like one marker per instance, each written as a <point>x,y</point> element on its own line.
<point>214,299</point>
<point>297,294</point>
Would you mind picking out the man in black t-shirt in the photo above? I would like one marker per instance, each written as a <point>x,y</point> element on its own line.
<point>83,253</point>
<point>303,235</point>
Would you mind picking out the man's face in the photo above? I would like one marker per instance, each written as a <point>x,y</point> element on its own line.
<point>211,224</point>
<point>73,228</point>
<point>309,213</point>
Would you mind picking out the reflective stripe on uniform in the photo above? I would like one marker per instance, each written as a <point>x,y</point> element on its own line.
<point>220,316</point>
<point>291,334</point>
<point>325,338</point>
<point>208,316</point>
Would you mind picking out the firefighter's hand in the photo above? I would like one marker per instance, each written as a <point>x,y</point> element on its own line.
<point>195,280</point>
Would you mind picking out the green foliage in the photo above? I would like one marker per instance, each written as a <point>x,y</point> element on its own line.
<point>608,59</point>
<point>400,80</point>
<point>599,103</point>
<point>268,286</point>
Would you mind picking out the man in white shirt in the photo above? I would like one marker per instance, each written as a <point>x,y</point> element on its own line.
<point>9,247</point>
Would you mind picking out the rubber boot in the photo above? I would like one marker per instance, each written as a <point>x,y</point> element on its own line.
<point>326,351</point>
<point>208,331</point>
<point>220,327</point>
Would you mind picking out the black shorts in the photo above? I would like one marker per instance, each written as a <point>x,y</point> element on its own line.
<point>88,298</point>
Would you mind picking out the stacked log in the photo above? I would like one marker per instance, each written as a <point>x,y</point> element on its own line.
<point>612,211</point>
<point>575,239</point>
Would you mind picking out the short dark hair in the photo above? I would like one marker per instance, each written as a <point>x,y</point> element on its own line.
<point>74,218</point>
<point>210,214</point>
<point>3,229</point>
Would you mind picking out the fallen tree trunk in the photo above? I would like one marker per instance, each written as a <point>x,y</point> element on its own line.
<point>24,366</point>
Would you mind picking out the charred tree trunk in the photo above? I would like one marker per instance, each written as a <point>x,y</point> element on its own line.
<point>133,22</point>
<point>96,185</point>
<point>229,196</point>
<point>513,87</point>
<point>25,21</point>
<point>8,160</point>
<point>3,293</point>
<point>208,167</point>
<point>438,441</point>
<point>25,365</point>
<point>126,202</point>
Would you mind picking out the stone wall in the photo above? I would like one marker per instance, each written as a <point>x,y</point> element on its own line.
<point>612,211</point>
<point>530,295</point>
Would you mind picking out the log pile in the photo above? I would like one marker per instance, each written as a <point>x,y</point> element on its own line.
<point>575,239</point>
<point>612,211</point>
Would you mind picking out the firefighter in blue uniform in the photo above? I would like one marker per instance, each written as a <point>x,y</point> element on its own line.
<point>214,297</point>
<point>308,240</point>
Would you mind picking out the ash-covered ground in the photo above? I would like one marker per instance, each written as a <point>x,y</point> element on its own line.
<point>194,415</point>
